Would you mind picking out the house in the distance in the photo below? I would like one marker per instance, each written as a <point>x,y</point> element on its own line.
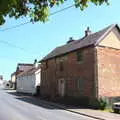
<point>28,80</point>
<point>88,67</point>
<point>1,80</point>
<point>13,80</point>
<point>20,68</point>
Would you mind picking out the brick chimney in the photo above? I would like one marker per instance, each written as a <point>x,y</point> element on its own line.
<point>70,40</point>
<point>87,32</point>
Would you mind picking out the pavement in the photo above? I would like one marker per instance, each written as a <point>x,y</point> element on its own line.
<point>96,114</point>
<point>90,113</point>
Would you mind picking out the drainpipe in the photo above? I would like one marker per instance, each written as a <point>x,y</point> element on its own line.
<point>95,73</point>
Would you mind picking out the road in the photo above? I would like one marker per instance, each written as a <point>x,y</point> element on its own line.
<point>15,107</point>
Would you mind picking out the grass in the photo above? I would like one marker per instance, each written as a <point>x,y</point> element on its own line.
<point>108,110</point>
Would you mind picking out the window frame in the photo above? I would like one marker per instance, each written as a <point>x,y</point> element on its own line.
<point>79,55</point>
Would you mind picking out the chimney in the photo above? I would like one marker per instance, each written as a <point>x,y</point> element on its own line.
<point>35,63</point>
<point>70,40</point>
<point>87,32</point>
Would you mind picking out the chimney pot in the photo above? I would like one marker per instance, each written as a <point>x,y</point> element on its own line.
<point>70,40</point>
<point>87,32</point>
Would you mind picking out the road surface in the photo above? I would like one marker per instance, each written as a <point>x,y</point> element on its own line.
<point>14,107</point>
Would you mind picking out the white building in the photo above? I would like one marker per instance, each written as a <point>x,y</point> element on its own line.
<point>28,81</point>
<point>1,80</point>
<point>13,80</point>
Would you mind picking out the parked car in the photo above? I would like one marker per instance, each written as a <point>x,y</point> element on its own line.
<point>116,107</point>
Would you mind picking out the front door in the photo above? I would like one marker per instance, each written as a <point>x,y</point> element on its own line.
<point>61,87</point>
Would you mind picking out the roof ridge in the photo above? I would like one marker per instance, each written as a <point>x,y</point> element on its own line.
<point>109,27</point>
<point>25,64</point>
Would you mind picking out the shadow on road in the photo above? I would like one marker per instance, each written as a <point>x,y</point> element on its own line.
<point>32,100</point>
<point>40,102</point>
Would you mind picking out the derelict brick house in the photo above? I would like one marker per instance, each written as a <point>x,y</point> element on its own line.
<point>88,67</point>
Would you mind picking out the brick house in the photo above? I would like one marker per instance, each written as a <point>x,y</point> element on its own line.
<point>88,67</point>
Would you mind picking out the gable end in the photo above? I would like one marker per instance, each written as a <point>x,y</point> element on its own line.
<point>112,39</point>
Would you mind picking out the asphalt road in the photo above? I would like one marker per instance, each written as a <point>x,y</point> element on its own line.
<point>16,107</point>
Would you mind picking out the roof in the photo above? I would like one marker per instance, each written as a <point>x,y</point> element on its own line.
<point>28,72</point>
<point>25,64</point>
<point>92,39</point>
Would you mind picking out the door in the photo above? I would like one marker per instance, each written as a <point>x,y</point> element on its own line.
<point>61,87</point>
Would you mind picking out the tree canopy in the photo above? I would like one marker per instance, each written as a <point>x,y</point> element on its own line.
<point>37,10</point>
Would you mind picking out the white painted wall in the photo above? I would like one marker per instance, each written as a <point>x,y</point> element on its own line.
<point>13,78</point>
<point>26,84</point>
<point>38,77</point>
<point>1,82</point>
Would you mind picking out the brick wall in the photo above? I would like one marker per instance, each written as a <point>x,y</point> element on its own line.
<point>108,72</point>
<point>72,72</point>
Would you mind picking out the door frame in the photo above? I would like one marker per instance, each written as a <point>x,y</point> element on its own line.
<point>61,87</point>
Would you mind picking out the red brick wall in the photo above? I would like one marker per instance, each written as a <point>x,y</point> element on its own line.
<point>72,72</point>
<point>108,72</point>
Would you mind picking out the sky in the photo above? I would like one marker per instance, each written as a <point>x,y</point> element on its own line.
<point>26,43</point>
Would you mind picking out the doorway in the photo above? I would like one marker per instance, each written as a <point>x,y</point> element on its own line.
<point>61,87</point>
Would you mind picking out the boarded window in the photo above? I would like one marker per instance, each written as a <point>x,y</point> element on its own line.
<point>79,56</point>
<point>81,85</point>
<point>60,62</point>
<point>46,65</point>
<point>61,66</point>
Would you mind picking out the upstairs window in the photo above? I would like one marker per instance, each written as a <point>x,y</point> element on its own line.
<point>45,64</point>
<point>79,55</point>
<point>61,66</point>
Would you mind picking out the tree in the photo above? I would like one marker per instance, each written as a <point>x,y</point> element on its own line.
<point>37,10</point>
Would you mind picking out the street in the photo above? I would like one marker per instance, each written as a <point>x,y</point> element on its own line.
<point>13,107</point>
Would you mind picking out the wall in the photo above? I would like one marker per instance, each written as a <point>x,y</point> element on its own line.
<point>72,72</point>
<point>112,39</point>
<point>108,71</point>
<point>26,84</point>
<point>38,77</point>
<point>13,78</point>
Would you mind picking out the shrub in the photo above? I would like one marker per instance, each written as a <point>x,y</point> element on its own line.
<point>80,101</point>
<point>100,103</point>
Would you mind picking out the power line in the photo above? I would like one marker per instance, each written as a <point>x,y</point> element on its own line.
<point>16,26</point>
<point>66,8</point>
<point>22,24</point>
<point>16,46</point>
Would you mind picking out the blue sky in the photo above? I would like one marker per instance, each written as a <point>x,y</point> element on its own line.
<point>40,38</point>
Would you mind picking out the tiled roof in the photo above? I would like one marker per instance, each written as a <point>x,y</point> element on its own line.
<point>28,72</point>
<point>92,39</point>
<point>24,67</point>
<point>25,64</point>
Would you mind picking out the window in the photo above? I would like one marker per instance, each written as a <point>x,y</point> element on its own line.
<point>61,66</point>
<point>46,64</point>
<point>79,56</point>
<point>81,85</point>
